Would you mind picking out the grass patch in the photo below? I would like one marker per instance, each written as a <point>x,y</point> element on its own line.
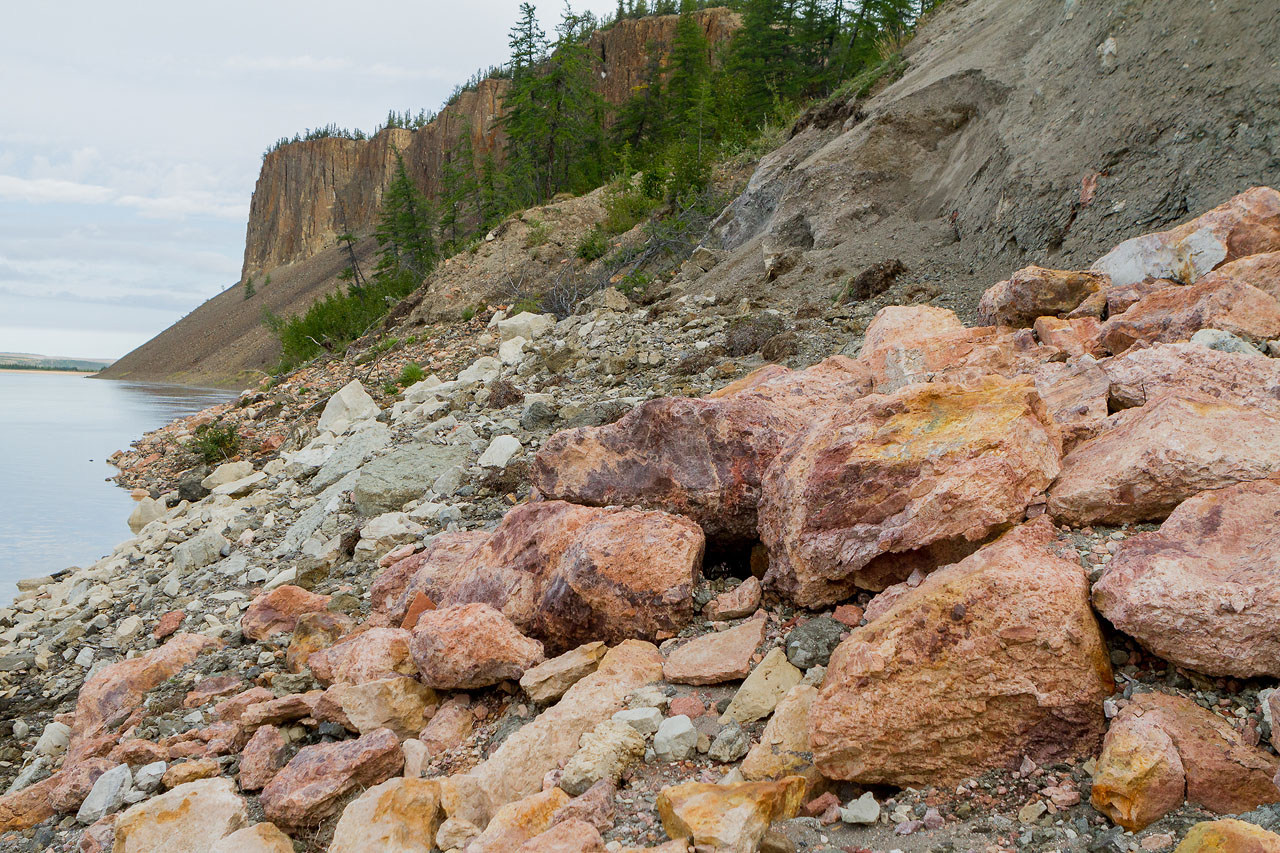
<point>215,443</point>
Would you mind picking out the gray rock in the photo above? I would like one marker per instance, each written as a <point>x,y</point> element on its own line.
<point>189,484</point>
<point>351,454</point>
<point>812,643</point>
<point>1224,342</point>
<point>309,521</point>
<point>107,794</point>
<point>644,720</point>
<point>22,660</point>
<point>199,551</point>
<point>730,744</point>
<point>864,810</point>
<point>676,739</point>
<point>389,482</point>
<point>537,415</point>
<point>149,775</point>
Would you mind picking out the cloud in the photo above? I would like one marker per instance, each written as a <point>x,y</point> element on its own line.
<point>57,191</point>
<point>307,64</point>
<point>177,207</point>
<point>51,190</point>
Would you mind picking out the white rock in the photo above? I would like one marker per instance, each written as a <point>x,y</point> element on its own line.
<point>382,533</point>
<point>525,325</point>
<point>865,809</point>
<point>85,658</point>
<point>1224,342</point>
<point>20,729</point>
<point>149,775</point>
<point>676,739</point>
<point>129,628</point>
<point>147,511</point>
<point>512,351</point>
<point>227,472</point>
<point>54,739</point>
<point>280,579</point>
<point>500,451</point>
<point>483,369</point>
<point>243,486</point>
<point>107,794</point>
<point>644,720</point>
<point>349,406</point>
<point>199,551</point>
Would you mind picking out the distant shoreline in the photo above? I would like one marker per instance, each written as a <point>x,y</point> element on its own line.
<point>46,370</point>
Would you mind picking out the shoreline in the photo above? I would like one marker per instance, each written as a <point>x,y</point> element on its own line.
<point>42,370</point>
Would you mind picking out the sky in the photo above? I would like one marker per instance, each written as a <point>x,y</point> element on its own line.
<point>131,135</point>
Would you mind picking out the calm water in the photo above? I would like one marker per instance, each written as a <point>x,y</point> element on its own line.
<point>57,508</point>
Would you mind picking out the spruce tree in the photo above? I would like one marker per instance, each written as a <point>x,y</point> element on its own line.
<point>405,228</point>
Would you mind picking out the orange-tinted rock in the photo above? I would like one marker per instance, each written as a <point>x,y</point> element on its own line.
<point>450,726</point>
<point>742,600</point>
<point>784,748</point>
<point>1247,224</point>
<point>1228,835</point>
<point>731,818</point>
<point>1261,271</point>
<point>233,709</point>
<point>1034,292</point>
<point>469,646</point>
<point>260,838</point>
<point>569,836</point>
<point>277,611</point>
<point>1222,773</point>
<point>1082,336</point>
<point>213,688</point>
<point>701,459</point>
<point>313,632</point>
<point>397,816</point>
<point>138,752</point>
<point>1203,591</point>
<point>401,704</point>
<point>1146,461</point>
<point>367,656</point>
<point>428,572</point>
<point>285,709</point>
<point>30,806</point>
<point>76,780</point>
<point>263,755</point>
<point>1151,372</point>
<point>311,785</point>
<point>189,819</point>
<point>896,326</point>
<point>190,771</point>
<point>1076,394</point>
<point>986,661</point>
<point>119,688</point>
<point>898,482</point>
<point>517,822</point>
<point>1176,313</point>
<point>568,575</point>
<point>716,657</point>
<point>169,624</point>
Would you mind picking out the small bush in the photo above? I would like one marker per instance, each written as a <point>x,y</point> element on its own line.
<point>390,388</point>
<point>593,245</point>
<point>626,206</point>
<point>216,443</point>
<point>528,303</point>
<point>468,314</point>
<point>249,289</point>
<point>538,234</point>
<point>411,374</point>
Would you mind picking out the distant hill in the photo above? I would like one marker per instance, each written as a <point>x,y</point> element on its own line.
<point>30,361</point>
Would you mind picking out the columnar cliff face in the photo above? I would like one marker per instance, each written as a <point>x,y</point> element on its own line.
<point>310,192</point>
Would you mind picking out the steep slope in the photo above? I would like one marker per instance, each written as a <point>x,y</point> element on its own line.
<point>1023,131</point>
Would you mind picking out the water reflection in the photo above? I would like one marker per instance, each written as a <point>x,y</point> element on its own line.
<point>57,505</point>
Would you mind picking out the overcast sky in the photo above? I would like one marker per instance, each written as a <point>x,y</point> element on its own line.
<point>131,135</point>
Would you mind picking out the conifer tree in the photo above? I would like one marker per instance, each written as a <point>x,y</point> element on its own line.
<point>405,227</point>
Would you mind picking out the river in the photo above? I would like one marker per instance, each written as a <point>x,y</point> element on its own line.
<point>58,507</point>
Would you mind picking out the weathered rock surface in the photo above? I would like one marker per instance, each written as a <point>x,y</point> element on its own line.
<point>515,823</point>
<point>313,632</point>
<point>742,600</point>
<point>568,575</point>
<point>1146,461</point>
<point>367,656</point>
<point>1247,224</point>
<point>716,657</point>
<point>1034,292</point>
<point>349,405</point>
<point>468,646</point>
<point>547,682</point>
<point>401,704</point>
<point>188,819</point>
<point>263,755</point>
<point>909,480</point>
<point>389,482</point>
<point>772,678</point>
<point>397,816</point>
<point>260,838</point>
<point>993,658</point>
<point>784,748</point>
<point>1145,374</point>
<point>729,818</point>
<point>1228,836</point>
<point>1204,590</point>
<point>429,572</point>
<point>1137,779</point>
<point>569,836</point>
<point>311,785</point>
<point>605,752</point>
<point>277,611</point>
<point>1177,313</point>
<point>449,726</point>
<point>702,459</point>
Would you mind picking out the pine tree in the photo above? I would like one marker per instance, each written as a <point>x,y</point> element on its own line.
<point>459,187</point>
<point>405,228</point>
<point>763,58</point>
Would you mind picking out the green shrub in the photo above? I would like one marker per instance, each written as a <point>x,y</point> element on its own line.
<point>468,314</point>
<point>249,289</point>
<point>593,245</point>
<point>411,374</point>
<point>215,442</point>
<point>527,303</point>
<point>390,388</point>
<point>538,234</point>
<point>625,206</point>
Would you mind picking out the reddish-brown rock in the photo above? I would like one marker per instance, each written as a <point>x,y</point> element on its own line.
<point>213,688</point>
<point>1034,292</point>
<point>313,632</point>
<point>1203,591</point>
<point>367,656</point>
<point>450,726</point>
<point>1122,298</point>
<point>1082,336</point>
<point>231,710</point>
<point>568,836</point>
<point>1245,225</point>
<point>311,785</point>
<point>30,806</point>
<point>1176,313</point>
<point>1150,372</point>
<point>1136,778</point>
<point>263,755</point>
<point>986,661</point>
<point>169,624</point>
<point>910,480</point>
<point>468,646</point>
<point>429,572</point>
<point>701,459</point>
<point>742,600</point>
<point>285,709</point>
<point>716,657</point>
<point>1146,461</point>
<point>118,689</point>
<point>568,575</point>
<point>277,611</point>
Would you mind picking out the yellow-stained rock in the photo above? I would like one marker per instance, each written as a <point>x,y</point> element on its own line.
<point>188,819</point>
<point>728,818</point>
<point>1140,777</point>
<point>763,689</point>
<point>784,748</point>
<point>398,816</point>
<point>401,704</point>
<point>1229,836</point>
<point>259,838</point>
<point>515,823</point>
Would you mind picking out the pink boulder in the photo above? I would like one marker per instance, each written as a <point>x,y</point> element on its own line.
<point>1145,373</point>
<point>312,785</point>
<point>277,611</point>
<point>367,656</point>
<point>429,572</point>
<point>1176,313</point>
<point>1034,292</point>
<point>469,646</point>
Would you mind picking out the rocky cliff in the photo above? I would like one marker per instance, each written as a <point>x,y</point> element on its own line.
<point>310,192</point>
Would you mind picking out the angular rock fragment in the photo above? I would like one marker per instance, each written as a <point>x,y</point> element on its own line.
<point>188,819</point>
<point>784,748</point>
<point>1034,292</point>
<point>312,784</point>
<point>986,661</point>
<point>263,755</point>
<point>367,656</point>
<point>1146,461</point>
<point>278,611</point>
<point>429,572</point>
<point>772,678</point>
<point>260,838</point>
<point>517,822</point>
<point>570,836</point>
<point>1145,374</point>
<point>906,481</point>
<point>716,657</point>
<point>468,646</point>
<point>548,681</point>
<point>1176,313</point>
<point>568,575</point>
<point>731,818</point>
<point>401,704</point>
<point>397,816</point>
<point>1228,835</point>
<point>605,752</point>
